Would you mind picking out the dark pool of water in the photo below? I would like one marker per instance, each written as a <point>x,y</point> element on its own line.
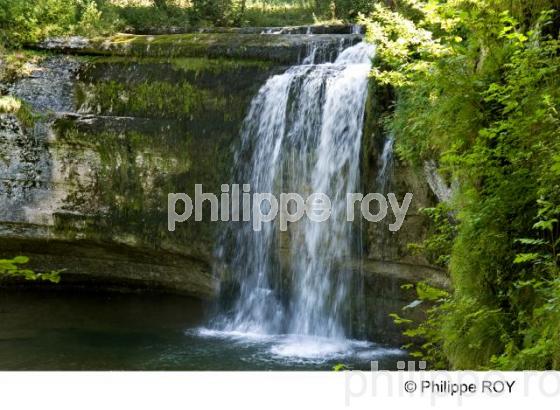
<point>45,330</point>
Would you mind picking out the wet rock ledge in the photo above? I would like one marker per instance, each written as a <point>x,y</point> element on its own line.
<point>283,49</point>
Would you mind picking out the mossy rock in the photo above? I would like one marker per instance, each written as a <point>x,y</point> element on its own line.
<point>284,49</point>
<point>177,88</point>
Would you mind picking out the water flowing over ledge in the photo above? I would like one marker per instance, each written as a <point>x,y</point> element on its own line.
<point>302,134</point>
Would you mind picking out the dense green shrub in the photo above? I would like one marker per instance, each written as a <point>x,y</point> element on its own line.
<point>478,85</point>
<point>26,21</point>
<point>220,12</point>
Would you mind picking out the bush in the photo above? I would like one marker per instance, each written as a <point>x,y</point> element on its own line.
<point>478,92</point>
<point>23,21</point>
<point>28,21</point>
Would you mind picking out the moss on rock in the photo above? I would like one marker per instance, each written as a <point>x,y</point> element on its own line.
<point>150,99</point>
<point>96,180</point>
<point>281,49</point>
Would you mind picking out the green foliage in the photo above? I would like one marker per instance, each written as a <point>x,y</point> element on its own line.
<point>342,9</point>
<point>398,320</point>
<point>429,293</point>
<point>425,338</point>
<point>142,18</point>
<point>220,12</point>
<point>478,88</point>
<point>27,21</point>
<point>14,65</point>
<point>13,268</point>
<point>287,13</point>
<point>94,20</point>
<point>437,247</point>
<point>9,104</point>
<point>23,112</point>
<point>23,21</point>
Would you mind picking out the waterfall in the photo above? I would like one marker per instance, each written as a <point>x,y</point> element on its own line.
<point>383,236</point>
<point>302,134</point>
<point>385,166</point>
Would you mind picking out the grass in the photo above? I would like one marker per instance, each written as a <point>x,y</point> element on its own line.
<point>9,104</point>
<point>12,105</point>
<point>16,64</point>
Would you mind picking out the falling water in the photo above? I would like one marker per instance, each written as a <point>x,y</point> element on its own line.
<point>385,166</point>
<point>302,134</point>
<point>383,236</point>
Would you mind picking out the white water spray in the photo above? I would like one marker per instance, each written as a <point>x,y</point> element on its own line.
<point>302,134</point>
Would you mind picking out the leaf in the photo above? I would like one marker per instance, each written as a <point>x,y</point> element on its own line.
<point>525,257</point>
<point>547,225</point>
<point>529,241</point>
<point>430,293</point>
<point>399,320</point>
<point>20,259</point>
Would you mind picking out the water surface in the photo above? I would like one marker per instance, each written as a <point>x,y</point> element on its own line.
<point>77,330</point>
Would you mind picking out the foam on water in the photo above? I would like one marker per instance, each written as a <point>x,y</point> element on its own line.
<point>301,349</point>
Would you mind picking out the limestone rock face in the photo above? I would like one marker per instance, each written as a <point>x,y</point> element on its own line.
<point>381,245</point>
<point>85,187</point>
<point>388,261</point>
